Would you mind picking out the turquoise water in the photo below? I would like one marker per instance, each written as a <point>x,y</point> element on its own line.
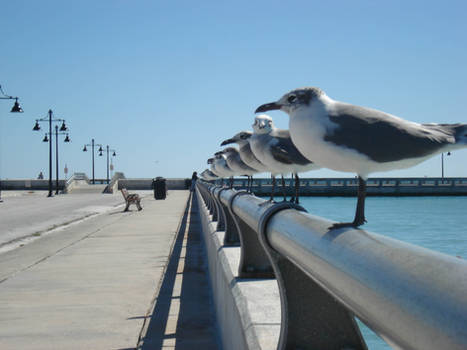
<point>437,223</point>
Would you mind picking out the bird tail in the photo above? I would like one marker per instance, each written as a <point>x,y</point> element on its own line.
<point>460,133</point>
<point>454,134</point>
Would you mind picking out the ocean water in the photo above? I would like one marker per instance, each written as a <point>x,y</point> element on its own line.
<point>437,223</point>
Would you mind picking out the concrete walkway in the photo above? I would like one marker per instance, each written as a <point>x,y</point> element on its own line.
<point>90,285</point>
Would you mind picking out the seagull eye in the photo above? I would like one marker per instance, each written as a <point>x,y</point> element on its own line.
<point>292,98</point>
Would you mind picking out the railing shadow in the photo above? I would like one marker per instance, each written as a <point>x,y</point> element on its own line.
<point>195,326</point>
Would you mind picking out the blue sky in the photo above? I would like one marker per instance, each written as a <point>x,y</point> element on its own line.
<point>164,82</point>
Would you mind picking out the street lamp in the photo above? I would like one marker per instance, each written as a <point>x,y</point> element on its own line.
<point>67,139</point>
<point>63,127</point>
<point>15,109</point>
<point>114,154</point>
<point>100,150</point>
<point>442,164</point>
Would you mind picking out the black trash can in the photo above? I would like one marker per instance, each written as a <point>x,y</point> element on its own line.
<point>160,188</point>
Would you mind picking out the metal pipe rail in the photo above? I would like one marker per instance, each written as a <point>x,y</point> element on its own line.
<point>414,298</point>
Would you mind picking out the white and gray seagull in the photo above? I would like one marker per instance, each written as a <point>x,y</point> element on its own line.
<point>274,148</point>
<point>236,163</point>
<point>209,175</point>
<point>221,166</point>
<point>213,168</point>
<point>246,154</point>
<point>349,138</point>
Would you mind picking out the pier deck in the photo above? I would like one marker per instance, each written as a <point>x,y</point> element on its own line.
<point>96,284</point>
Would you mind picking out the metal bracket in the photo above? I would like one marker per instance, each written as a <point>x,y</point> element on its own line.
<point>254,263</point>
<point>310,317</point>
<point>231,234</point>
<point>215,210</point>
<point>220,211</point>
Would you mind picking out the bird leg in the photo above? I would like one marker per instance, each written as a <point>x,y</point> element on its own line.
<point>360,211</point>
<point>292,199</point>
<point>283,188</point>
<point>251,184</point>
<point>297,188</point>
<point>231,182</point>
<point>273,189</point>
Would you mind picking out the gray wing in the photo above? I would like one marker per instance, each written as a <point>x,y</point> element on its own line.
<point>284,150</point>
<point>382,137</point>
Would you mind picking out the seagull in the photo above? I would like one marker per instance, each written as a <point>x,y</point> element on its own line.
<point>213,169</point>
<point>274,148</point>
<point>209,175</point>
<point>246,154</point>
<point>236,163</point>
<point>221,167</point>
<point>349,138</point>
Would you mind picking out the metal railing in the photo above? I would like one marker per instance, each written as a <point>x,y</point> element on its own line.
<point>412,297</point>
<point>408,186</point>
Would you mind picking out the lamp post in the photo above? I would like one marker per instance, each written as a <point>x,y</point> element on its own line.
<point>67,139</point>
<point>442,164</point>
<point>15,109</point>
<point>100,150</point>
<point>114,154</point>
<point>37,127</point>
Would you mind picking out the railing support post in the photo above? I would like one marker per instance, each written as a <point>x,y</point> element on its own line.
<point>220,211</point>
<point>231,237</point>
<point>254,263</point>
<point>321,323</point>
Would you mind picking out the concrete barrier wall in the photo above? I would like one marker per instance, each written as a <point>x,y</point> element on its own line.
<point>145,184</point>
<point>248,311</point>
<point>28,184</point>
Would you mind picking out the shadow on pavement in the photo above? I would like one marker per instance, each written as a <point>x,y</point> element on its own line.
<point>195,327</point>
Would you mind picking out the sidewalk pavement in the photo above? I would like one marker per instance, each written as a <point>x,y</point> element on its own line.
<point>91,285</point>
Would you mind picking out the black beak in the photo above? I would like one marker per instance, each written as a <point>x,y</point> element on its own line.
<point>227,142</point>
<point>268,107</point>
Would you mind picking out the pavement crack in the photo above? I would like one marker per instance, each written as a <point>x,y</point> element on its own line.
<point>58,251</point>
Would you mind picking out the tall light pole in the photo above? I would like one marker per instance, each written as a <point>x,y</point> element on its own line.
<point>113,155</point>
<point>67,139</point>
<point>442,163</point>
<point>15,109</point>
<point>92,144</point>
<point>37,127</point>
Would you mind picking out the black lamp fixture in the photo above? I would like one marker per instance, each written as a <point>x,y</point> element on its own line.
<point>36,127</point>
<point>67,138</point>
<point>63,127</point>
<point>45,139</point>
<point>85,149</point>
<point>16,107</point>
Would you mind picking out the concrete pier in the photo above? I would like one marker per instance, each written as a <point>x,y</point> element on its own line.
<point>110,282</point>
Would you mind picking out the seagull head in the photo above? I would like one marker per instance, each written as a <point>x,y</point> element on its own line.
<point>263,124</point>
<point>293,100</point>
<point>239,138</point>
<point>229,150</point>
<point>210,160</point>
<point>219,155</point>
